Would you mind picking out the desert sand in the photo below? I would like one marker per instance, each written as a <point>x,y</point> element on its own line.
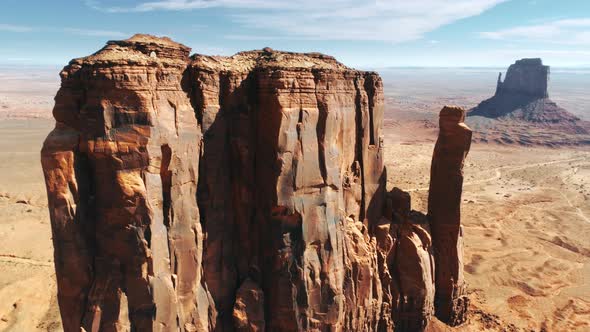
<point>526,218</point>
<point>27,281</point>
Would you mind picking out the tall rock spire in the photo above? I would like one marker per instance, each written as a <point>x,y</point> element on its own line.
<point>444,213</point>
<point>499,84</point>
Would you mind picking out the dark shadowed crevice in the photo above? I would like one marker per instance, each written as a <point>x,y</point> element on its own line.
<point>370,89</point>
<point>173,106</point>
<point>147,235</point>
<point>321,127</point>
<point>166,177</point>
<point>85,221</point>
<point>193,89</point>
<point>86,194</point>
<point>295,161</point>
<point>359,142</point>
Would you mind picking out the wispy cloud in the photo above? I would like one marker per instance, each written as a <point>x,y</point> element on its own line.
<point>96,33</point>
<point>382,20</point>
<point>251,37</point>
<point>178,5</point>
<point>14,28</point>
<point>74,31</point>
<point>565,31</point>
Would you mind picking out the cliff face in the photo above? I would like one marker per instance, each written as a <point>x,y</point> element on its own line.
<point>122,168</point>
<point>290,149</point>
<point>238,193</point>
<point>526,76</point>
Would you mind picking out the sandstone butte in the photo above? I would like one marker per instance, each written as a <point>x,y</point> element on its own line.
<point>523,95</point>
<point>242,193</point>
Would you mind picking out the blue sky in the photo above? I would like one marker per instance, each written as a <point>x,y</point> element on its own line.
<point>364,34</point>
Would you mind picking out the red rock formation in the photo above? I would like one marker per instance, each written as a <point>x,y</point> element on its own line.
<point>444,201</point>
<point>249,307</point>
<point>121,168</point>
<point>524,96</point>
<point>410,262</point>
<point>527,115</point>
<point>228,193</point>
<point>526,76</point>
<point>291,148</point>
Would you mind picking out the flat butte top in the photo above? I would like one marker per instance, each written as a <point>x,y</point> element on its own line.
<point>140,49</point>
<point>148,50</point>
<point>267,58</point>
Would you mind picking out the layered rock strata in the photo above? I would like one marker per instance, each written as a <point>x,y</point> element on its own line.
<point>122,168</point>
<point>444,201</point>
<point>242,193</point>
<point>291,147</point>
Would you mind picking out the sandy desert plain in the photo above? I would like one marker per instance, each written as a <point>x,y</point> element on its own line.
<point>526,210</point>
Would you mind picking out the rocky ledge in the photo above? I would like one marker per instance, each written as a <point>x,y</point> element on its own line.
<point>242,193</point>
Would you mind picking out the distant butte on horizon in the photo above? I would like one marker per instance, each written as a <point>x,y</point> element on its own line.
<point>522,112</point>
<point>523,95</point>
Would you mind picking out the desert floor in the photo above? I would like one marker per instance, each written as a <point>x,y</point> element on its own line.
<point>27,283</point>
<point>526,217</point>
<point>526,211</point>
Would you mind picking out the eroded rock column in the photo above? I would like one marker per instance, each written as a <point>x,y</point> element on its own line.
<point>444,213</point>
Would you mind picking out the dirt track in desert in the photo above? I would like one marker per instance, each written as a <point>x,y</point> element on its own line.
<point>525,216</point>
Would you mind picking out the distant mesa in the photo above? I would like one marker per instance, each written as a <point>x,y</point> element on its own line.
<point>523,95</point>
<point>520,112</point>
<point>525,76</point>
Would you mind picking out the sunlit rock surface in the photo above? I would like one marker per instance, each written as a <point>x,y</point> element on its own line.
<point>242,193</point>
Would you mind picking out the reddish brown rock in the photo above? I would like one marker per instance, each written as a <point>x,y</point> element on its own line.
<point>524,96</point>
<point>291,148</point>
<point>410,262</point>
<point>444,213</point>
<point>121,168</point>
<point>249,308</point>
<point>228,193</point>
<point>527,115</point>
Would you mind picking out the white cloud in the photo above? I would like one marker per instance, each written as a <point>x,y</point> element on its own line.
<point>177,5</point>
<point>565,31</point>
<point>96,33</point>
<point>382,20</point>
<point>251,37</point>
<point>14,28</point>
<point>74,31</point>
